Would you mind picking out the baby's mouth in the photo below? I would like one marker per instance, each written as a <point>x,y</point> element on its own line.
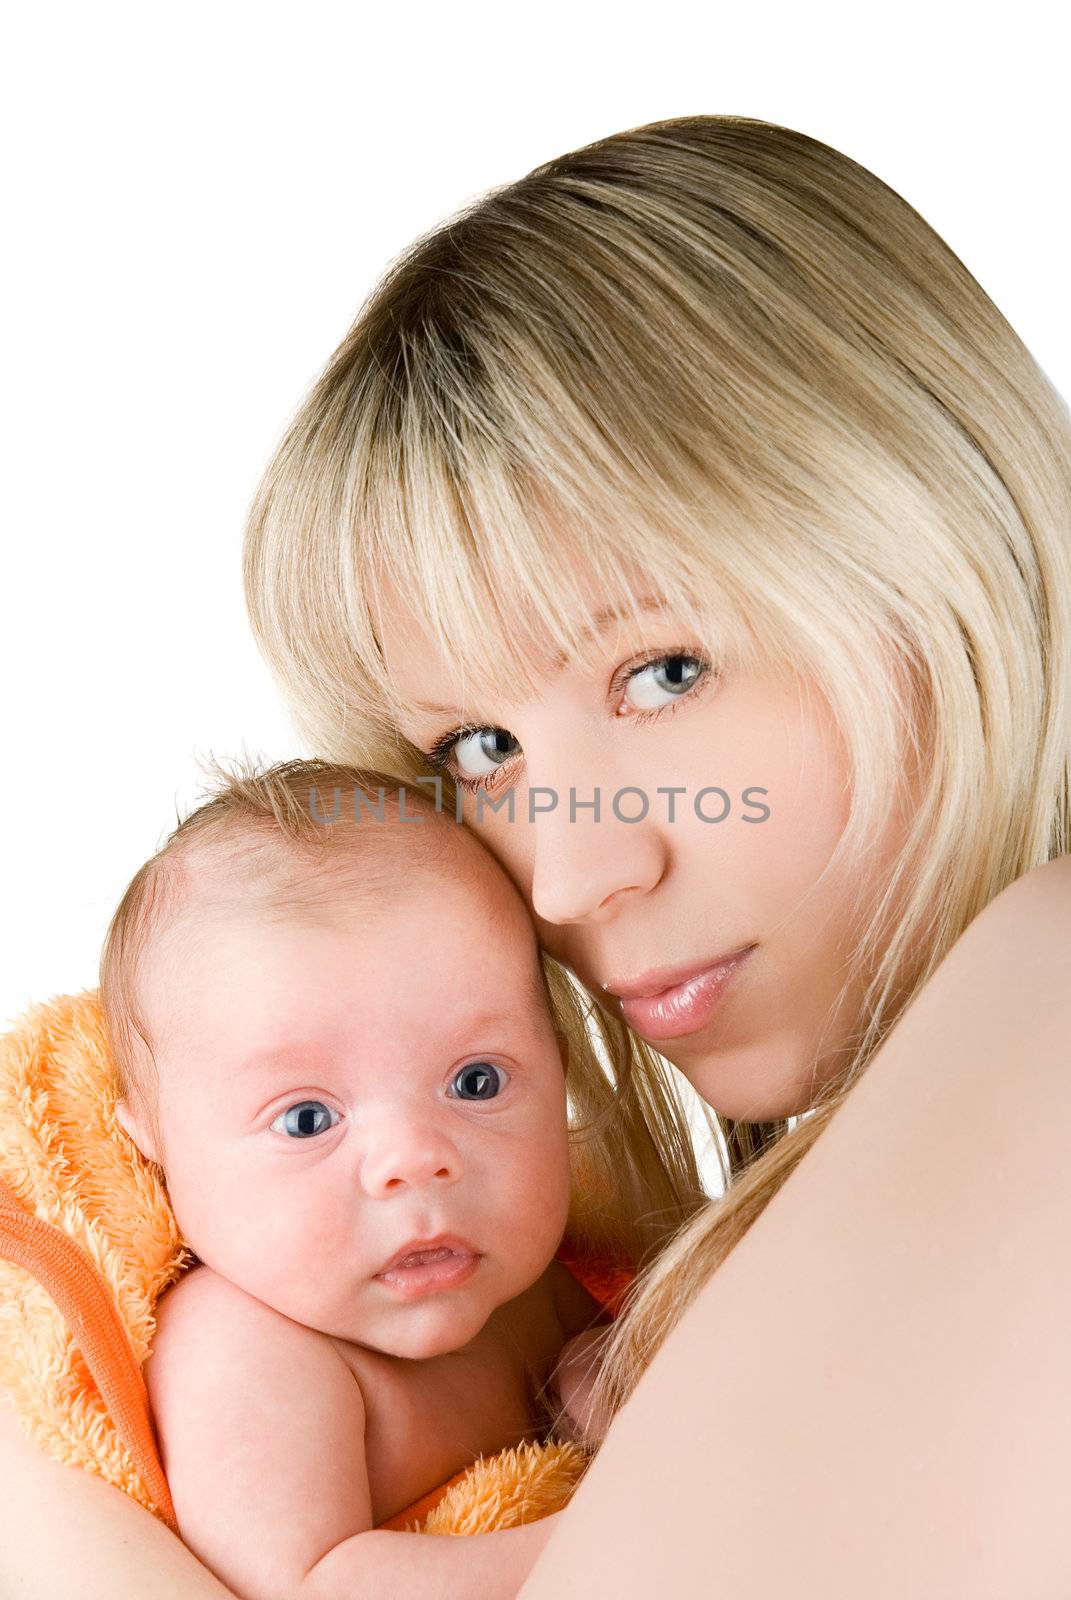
<point>425,1267</point>
<point>419,1258</point>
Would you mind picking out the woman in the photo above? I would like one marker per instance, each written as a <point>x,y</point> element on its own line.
<point>693,478</point>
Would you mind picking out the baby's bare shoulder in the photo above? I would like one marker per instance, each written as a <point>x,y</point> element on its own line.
<point>208,1327</point>
<point>202,1297</point>
<point>199,1292</point>
<point>261,1431</point>
<point>261,1427</point>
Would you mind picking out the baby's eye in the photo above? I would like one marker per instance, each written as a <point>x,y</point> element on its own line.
<point>672,676</point>
<point>480,1080</point>
<point>305,1119</point>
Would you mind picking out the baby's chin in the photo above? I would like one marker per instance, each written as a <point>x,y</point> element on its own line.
<point>434,1327</point>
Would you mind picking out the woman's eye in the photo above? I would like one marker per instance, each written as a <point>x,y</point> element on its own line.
<point>305,1119</point>
<point>656,683</point>
<point>480,1080</point>
<point>474,756</point>
<point>482,750</point>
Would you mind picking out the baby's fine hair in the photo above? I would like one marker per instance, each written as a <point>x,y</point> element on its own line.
<point>276,831</point>
<point>301,835</point>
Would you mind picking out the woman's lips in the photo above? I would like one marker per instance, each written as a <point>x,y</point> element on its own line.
<point>686,1006</point>
<point>429,1269</point>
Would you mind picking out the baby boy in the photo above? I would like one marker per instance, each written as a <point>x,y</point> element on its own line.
<point>335,1041</point>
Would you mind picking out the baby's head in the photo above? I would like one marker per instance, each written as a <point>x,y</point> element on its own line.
<point>335,1040</point>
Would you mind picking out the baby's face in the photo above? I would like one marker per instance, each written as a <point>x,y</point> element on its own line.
<point>337,1091</point>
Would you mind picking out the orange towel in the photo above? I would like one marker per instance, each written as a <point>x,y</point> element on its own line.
<point>60,1264</point>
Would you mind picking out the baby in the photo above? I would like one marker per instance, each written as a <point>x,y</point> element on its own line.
<point>335,1041</point>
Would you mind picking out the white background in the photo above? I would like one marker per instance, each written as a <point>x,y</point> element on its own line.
<point>197,198</point>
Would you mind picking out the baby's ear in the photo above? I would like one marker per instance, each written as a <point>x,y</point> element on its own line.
<point>135,1129</point>
<point>563,1050</point>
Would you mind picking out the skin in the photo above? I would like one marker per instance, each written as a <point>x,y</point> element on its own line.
<point>611,899</point>
<point>286,1347</point>
<point>870,1396</point>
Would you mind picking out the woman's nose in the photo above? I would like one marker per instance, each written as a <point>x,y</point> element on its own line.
<point>585,867</point>
<point>403,1154</point>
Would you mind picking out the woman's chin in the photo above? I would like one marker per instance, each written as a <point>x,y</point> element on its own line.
<point>751,1085</point>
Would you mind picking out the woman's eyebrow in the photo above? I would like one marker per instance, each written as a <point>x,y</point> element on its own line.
<point>598,625</point>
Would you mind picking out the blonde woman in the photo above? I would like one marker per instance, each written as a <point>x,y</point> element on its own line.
<point>693,478</point>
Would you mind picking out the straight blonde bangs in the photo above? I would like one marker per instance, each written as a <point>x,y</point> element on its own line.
<point>720,354</point>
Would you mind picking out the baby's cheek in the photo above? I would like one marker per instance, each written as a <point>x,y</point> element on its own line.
<point>228,1213</point>
<point>211,1212</point>
<point>541,1187</point>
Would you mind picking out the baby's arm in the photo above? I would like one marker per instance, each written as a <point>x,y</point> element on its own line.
<point>261,1428</point>
<point>261,1431</point>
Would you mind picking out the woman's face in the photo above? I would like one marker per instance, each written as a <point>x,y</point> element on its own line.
<point>647,903</point>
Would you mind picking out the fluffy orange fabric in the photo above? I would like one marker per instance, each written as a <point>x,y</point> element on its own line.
<point>88,1243</point>
<point>69,1164</point>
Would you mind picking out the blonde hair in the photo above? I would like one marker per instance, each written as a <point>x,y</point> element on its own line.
<point>724,353</point>
<point>259,824</point>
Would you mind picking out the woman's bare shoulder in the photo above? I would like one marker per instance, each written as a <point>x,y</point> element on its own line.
<point>1037,900</point>
<point>870,1394</point>
<point>1045,887</point>
<point>1011,960</point>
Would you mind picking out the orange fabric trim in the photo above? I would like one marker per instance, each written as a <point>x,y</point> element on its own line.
<point>606,1278</point>
<point>420,1508</point>
<point>82,1294</point>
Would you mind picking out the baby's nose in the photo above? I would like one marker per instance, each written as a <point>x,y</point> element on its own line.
<point>409,1157</point>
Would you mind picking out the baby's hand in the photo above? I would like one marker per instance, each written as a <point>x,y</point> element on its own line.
<point>573,1380</point>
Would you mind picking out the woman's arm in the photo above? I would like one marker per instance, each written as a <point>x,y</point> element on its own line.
<point>421,1566</point>
<point>65,1532</point>
<point>872,1395</point>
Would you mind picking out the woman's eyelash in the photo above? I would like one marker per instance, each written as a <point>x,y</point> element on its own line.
<point>439,754</point>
